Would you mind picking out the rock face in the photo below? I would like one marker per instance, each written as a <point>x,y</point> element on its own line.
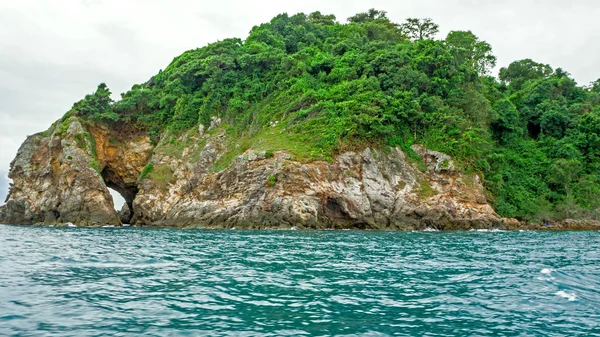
<point>62,176</point>
<point>56,181</point>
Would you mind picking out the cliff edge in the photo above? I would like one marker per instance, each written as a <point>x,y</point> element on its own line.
<point>62,176</point>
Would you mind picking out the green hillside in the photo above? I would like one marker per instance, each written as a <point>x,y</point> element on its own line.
<point>314,86</point>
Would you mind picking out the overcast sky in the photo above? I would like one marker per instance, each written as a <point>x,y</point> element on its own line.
<point>52,53</point>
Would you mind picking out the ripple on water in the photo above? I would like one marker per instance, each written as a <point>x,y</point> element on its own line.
<point>130,282</point>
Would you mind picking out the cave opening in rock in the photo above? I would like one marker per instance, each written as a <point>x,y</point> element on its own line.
<point>117,198</point>
<point>122,188</point>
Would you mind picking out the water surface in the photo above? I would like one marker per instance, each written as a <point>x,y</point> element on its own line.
<point>159,282</point>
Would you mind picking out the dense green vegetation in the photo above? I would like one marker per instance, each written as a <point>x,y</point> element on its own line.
<point>313,86</point>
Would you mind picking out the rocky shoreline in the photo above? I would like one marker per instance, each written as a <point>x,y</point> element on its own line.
<point>62,176</point>
<point>567,225</point>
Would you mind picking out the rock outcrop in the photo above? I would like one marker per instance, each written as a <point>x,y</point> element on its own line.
<point>62,176</point>
<point>56,180</point>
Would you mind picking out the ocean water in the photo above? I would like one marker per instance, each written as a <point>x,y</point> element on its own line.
<point>160,282</point>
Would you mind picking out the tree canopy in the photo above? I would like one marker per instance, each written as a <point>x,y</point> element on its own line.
<point>533,134</point>
<point>420,29</point>
<point>468,48</point>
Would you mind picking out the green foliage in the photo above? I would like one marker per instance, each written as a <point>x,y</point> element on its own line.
<point>161,175</point>
<point>425,190</point>
<point>312,86</point>
<point>172,148</point>
<point>371,15</point>
<point>318,18</point>
<point>95,164</point>
<point>271,180</point>
<point>564,173</point>
<point>300,145</point>
<point>519,72</point>
<point>146,171</point>
<point>97,106</point>
<point>506,125</point>
<point>80,140</point>
<point>63,126</point>
<point>83,140</point>
<point>468,49</point>
<point>420,29</point>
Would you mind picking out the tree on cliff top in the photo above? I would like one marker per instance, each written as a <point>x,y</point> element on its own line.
<point>468,48</point>
<point>97,106</point>
<point>519,72</point>
<point>420,29</point>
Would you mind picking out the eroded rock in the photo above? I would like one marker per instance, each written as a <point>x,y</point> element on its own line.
<point>63,177</point>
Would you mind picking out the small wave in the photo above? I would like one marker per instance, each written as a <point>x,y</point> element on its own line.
<point>485,230</point>
<point>281,280</point>
<point>429,229</point>
<point>11,317</point>
<point>564,294</point>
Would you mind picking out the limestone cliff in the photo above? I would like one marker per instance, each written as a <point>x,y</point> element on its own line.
<point>62,176</point>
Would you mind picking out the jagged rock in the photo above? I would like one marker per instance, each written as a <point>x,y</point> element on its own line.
<point>435,161</point>
<point>54,183</point>
<point>61,176</point>
<point>370,189</point>
<point>215,122</point>
<point>125,214</point>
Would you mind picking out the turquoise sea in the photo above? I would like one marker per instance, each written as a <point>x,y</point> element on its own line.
<point>161,282</point>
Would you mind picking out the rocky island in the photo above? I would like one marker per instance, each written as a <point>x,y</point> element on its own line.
<point>313,124</point>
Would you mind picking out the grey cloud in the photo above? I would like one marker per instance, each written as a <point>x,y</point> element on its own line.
<point>33,94</point>
<point>122,37</point>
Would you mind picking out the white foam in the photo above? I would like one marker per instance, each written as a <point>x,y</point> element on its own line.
<point>70,224</point>
<point>546,271</point>
<point>429,229</point>
<point>493,230</point>
<point>564,294</point>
